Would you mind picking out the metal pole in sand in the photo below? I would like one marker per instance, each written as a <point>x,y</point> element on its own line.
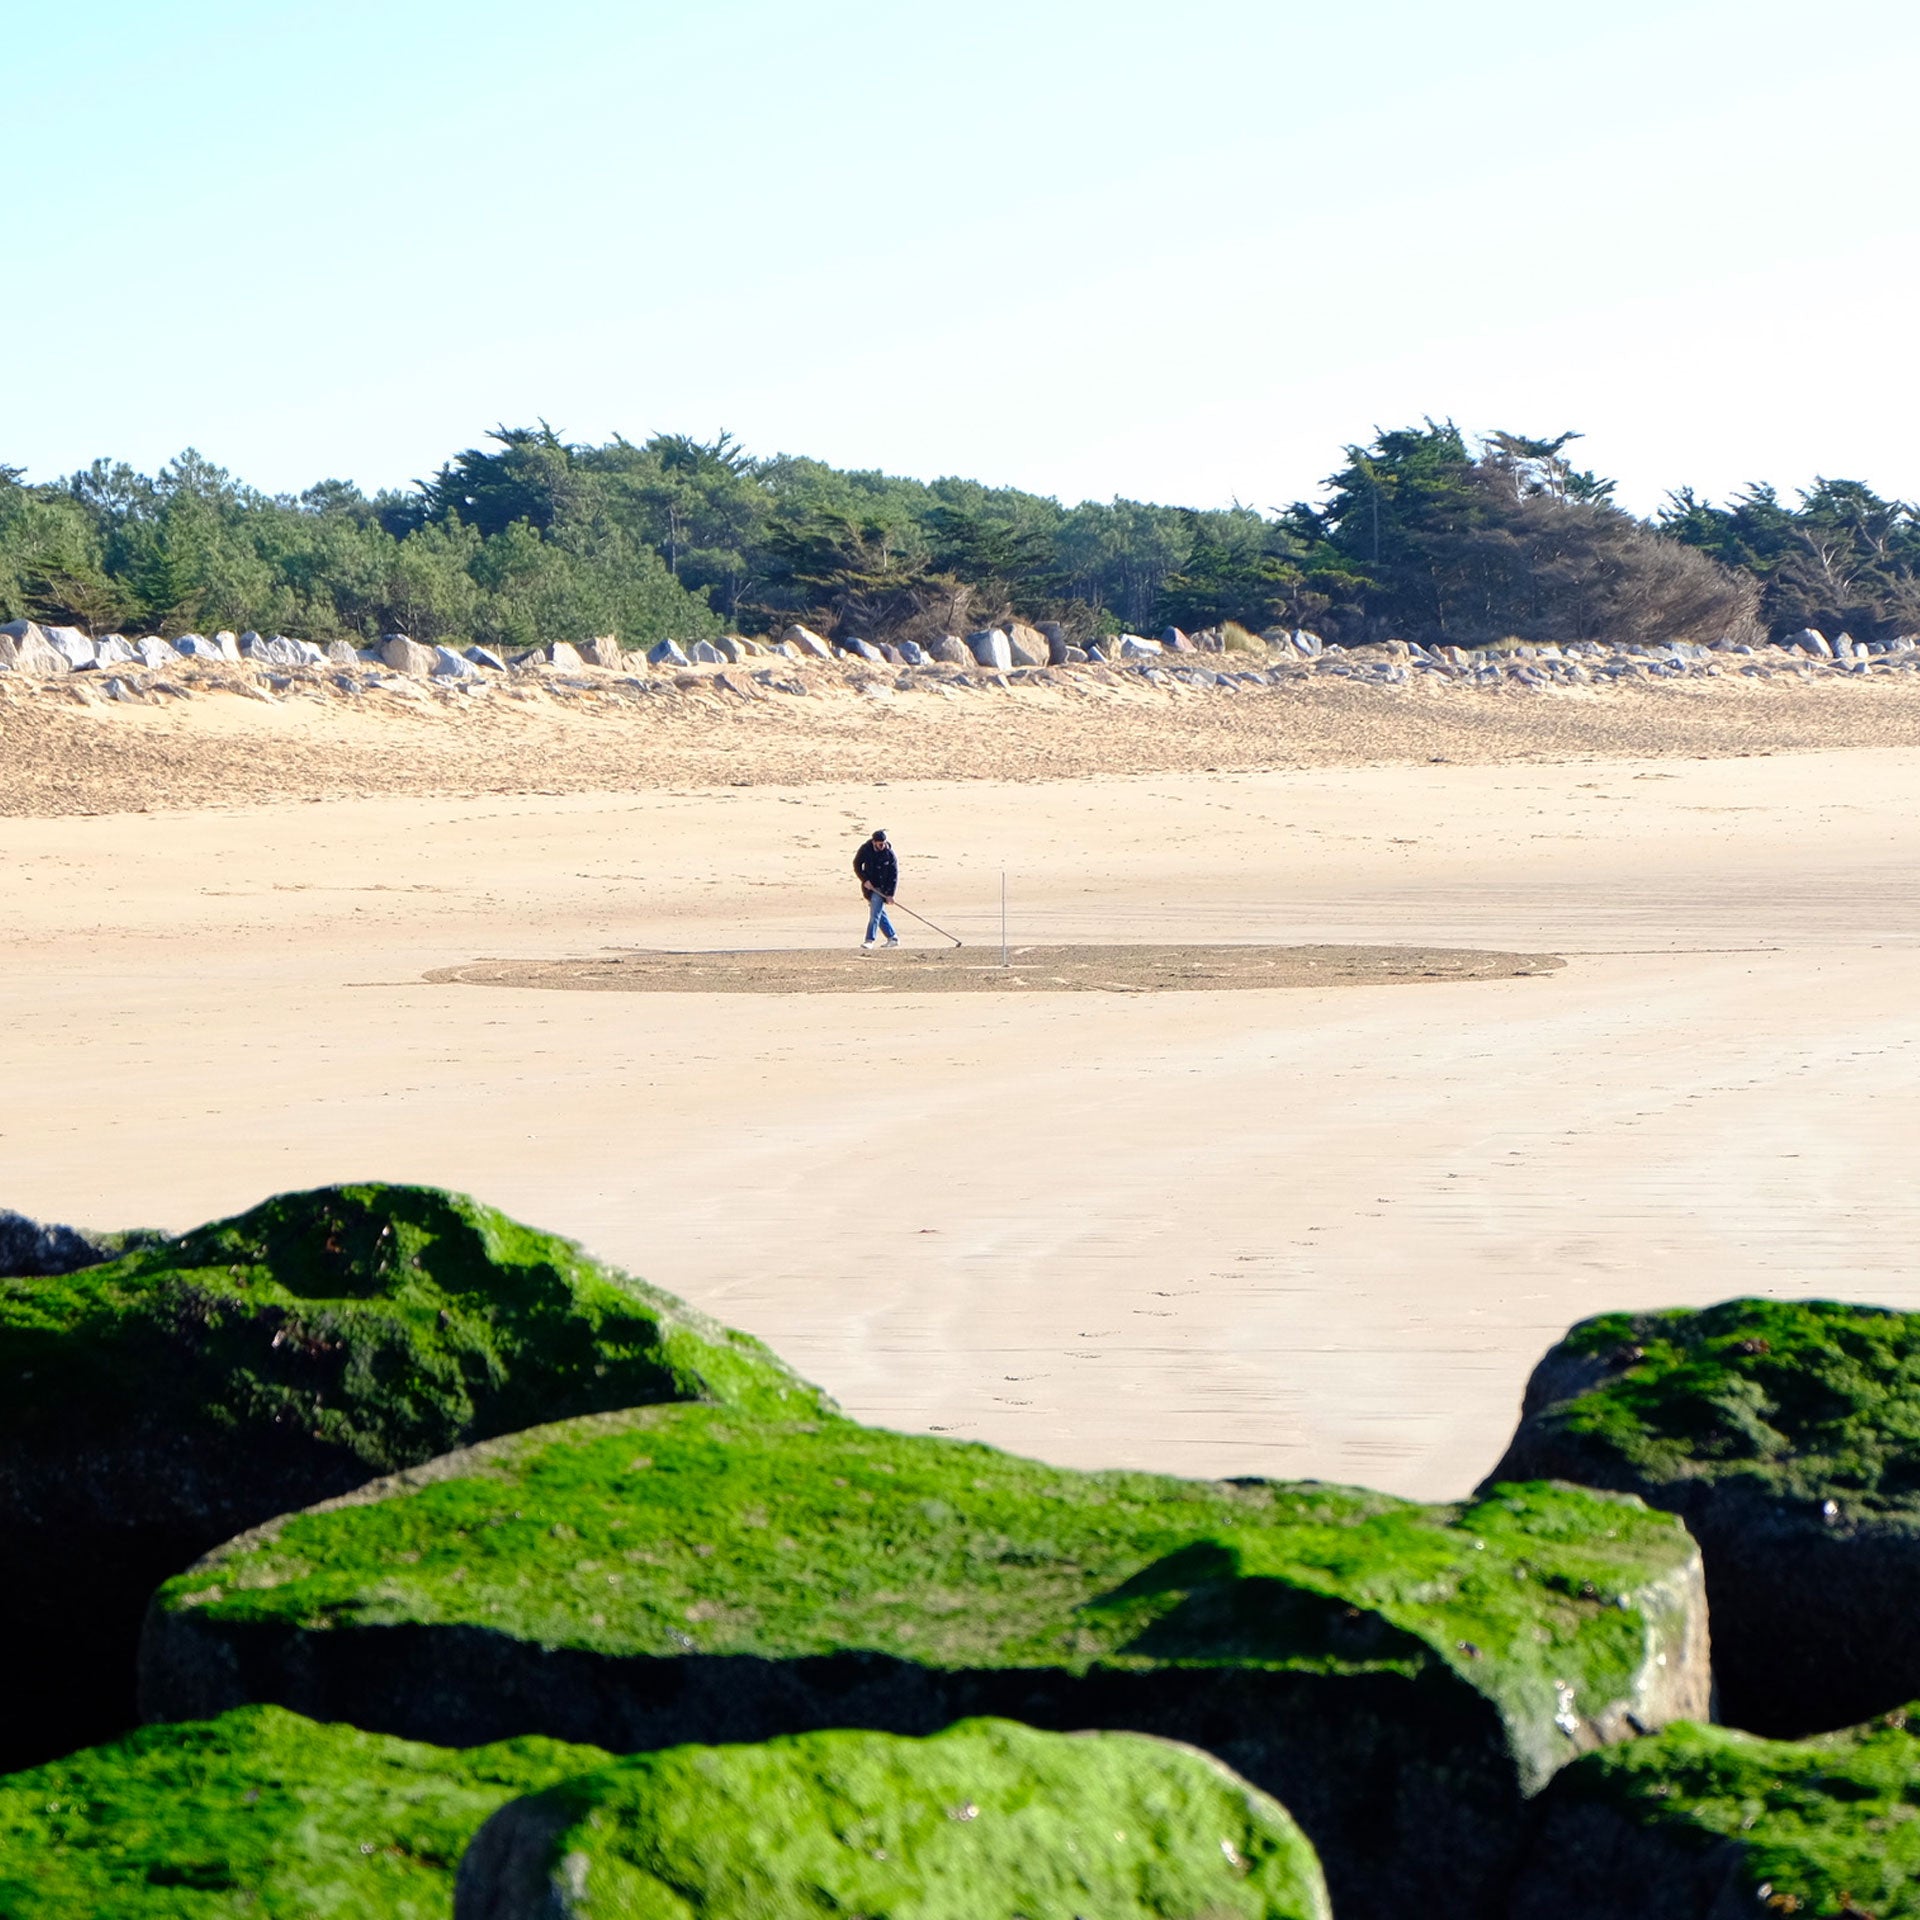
<point>1004,963</point>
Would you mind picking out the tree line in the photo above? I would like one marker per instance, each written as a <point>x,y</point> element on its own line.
<point>1421,534</point>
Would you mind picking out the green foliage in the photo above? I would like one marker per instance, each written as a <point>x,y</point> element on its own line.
<point>1843,560</point>
<point>53,562</point>
<point>1424,538</point>
<point>1817,1823</point>
<point>531,481</point>
<point>1241,568</point>
<point>383,1323</point>
<point>665,1530</point>
<point>533,537</point>
<point>520,546</point>
<point>260,1814</point>
<point>1811,1399</point>
<point>982,1822</point>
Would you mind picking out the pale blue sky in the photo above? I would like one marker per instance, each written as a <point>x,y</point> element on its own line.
<point>1175,252</point>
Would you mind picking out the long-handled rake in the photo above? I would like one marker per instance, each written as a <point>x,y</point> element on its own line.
<point>925,922</point>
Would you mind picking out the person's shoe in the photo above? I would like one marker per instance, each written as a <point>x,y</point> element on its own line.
<point>893,939</point>
<point>867,946</point>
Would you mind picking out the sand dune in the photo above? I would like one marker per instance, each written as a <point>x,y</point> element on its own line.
<point>66,750</point>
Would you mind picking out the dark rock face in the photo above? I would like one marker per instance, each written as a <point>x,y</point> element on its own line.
<point>1392,1673</point>
<point>1787,1436</point>
<point>162,1402</point>
<point>1594,1863</point>
<point>32,1249</point>
<point>1706,1823</point>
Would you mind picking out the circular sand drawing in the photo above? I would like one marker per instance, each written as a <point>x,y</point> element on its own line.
<point>1030,969</point>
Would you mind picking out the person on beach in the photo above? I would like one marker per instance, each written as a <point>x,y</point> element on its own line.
<point>879,875</point>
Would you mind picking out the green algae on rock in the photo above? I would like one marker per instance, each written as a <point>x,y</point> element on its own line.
<point>165,1401</point>
<point>986,1821</point>
<point>1787,1435</point>
<point>259,1813</point>
<point>677,1574</point>
<point>1696,1823</point>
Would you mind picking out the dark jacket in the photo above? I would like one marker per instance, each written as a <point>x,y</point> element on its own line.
<point>877,867</point>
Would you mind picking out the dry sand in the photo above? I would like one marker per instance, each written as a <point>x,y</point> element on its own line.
<point>1318,1231</point>
<point>66,750</point>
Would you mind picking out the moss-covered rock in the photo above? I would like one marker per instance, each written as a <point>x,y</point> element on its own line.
<point>987,1821</point>
<point>1703,1823</point>
<point>1787,1435</point>
<point>161,1403</point>
<point>259,1813</point>
<point>1388,1671</point>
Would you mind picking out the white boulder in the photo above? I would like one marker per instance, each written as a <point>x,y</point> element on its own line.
<point>32,654</point>
<point>1027,645</point>
<point>486,657</point>
<point>406,656</point>
<point>706,654</point>
<point>72,645</point>
<point>809,642</point>
<point>196,646</point>
<point>666,653</point>
<point>155,652</point>
<point>277,652</point>
<point>992,649</point>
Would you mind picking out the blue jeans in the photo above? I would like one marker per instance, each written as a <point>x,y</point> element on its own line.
<point>877,917</point>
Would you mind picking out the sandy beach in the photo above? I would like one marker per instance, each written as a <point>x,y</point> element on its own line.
<point>1300,1231</point>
